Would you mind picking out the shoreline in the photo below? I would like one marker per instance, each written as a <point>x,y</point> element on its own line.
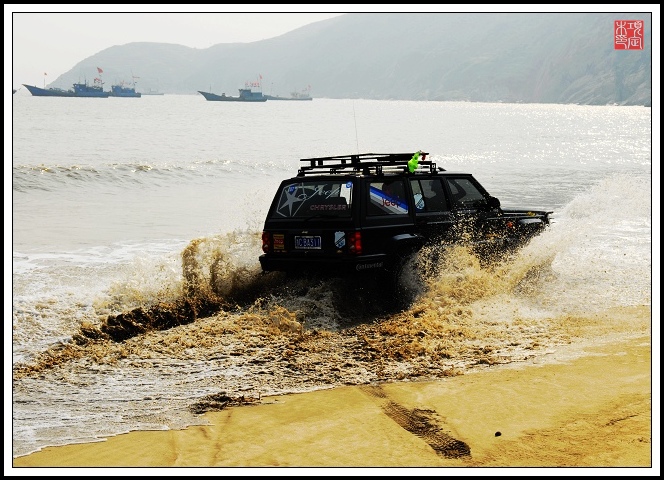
<point>592,411</point>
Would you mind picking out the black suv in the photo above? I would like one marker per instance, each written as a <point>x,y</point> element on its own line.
<point>368,213</point>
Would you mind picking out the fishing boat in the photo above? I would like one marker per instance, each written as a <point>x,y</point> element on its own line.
<point>246,95</point>
<point>95,90</point>
<point>123,91</point>
<point>252,92</point>
<point>303,95</point>
<point>79,90</point>
<point>48,92</point>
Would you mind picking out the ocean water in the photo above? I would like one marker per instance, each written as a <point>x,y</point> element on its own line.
<point>115,202</point>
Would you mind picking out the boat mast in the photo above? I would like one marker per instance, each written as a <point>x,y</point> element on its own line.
<point>101,81</point>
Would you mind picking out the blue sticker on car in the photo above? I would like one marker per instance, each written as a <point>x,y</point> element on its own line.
<point>339,239</point>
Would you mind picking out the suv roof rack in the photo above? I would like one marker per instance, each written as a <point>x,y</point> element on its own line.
<point>365,163</point>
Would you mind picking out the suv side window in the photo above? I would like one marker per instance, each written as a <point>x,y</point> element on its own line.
<point>429,196</point>
<point>387,197</point>
<point>464,193</point>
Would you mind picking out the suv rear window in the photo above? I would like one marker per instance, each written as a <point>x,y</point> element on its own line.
<point>308,198</point>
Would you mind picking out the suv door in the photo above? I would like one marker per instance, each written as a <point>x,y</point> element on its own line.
<point>387,226</point>
<point>433,215</point>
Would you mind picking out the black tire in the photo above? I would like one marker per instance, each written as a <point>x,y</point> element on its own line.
<point>404,281</point>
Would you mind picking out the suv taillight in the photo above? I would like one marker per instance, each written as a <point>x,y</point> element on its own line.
<point>266,242</point>
<point>355,243</point>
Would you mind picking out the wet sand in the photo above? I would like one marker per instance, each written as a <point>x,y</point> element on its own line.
<point>593,409</point>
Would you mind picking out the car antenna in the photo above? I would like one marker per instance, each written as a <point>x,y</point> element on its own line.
<point>357,143</point>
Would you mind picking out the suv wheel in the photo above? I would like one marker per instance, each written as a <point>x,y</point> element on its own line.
<point>405,281</point>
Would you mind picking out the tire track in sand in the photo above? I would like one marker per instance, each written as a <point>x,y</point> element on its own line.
<point>421,423</point>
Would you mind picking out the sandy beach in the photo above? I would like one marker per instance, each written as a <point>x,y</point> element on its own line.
<point>592,409</point>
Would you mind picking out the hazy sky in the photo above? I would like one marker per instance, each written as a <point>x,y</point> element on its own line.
<point>54,42</point>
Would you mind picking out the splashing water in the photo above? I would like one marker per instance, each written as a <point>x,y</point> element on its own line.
<point>174,329</point>
<point>197,319</point>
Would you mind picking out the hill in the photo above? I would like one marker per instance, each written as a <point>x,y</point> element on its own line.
<point>485,57</point>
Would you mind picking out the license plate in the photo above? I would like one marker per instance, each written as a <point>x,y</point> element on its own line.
<point>307,243</point>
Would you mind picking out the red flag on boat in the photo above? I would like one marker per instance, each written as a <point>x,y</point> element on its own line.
<point>100,70</point>
<point>260,76</point>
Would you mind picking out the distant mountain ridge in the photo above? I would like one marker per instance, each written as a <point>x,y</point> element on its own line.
<point>479,57</point>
